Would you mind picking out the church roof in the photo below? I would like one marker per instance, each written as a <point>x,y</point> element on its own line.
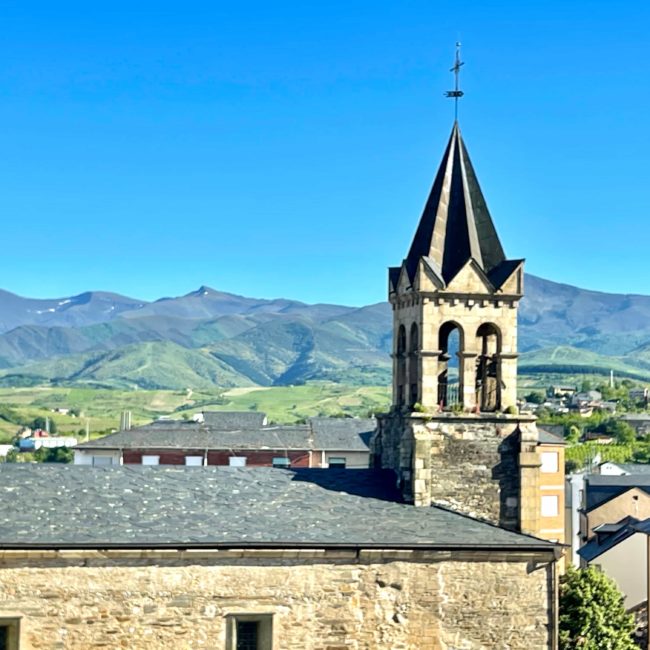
<point>456,225</point>
<point>53,506</point>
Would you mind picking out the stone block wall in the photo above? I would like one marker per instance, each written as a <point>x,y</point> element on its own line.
<point>319,600</point>
<point>470,463</point>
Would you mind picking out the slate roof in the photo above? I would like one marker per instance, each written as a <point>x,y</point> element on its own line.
<point>600,543</point>
<point>634,468</point>
<point>456,225</point>
<point>329,434</point>
<point>345,434</point>
<point>600,489</point>
<point>234,420</point>
<point>59,506</point>
<point>549,438</point>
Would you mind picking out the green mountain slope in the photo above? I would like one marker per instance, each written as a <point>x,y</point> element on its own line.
<point>148,365</point>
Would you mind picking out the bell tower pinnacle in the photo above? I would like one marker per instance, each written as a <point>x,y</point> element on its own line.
<point>455,286</point>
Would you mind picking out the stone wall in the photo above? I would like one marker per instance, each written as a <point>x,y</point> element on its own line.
<point>320,600</point>
<point>470,463</point>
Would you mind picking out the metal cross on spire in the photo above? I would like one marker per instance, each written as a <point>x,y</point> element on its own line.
<point>456,93</point>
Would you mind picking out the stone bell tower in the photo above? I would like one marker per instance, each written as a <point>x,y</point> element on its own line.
<point>455,282</point>
<point>453,435</point>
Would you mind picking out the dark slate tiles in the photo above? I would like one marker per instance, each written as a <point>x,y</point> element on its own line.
<point>57,505</point>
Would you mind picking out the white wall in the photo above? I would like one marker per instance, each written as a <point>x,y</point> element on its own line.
<point>353,459</point>
<point>627,564</point>
<point>83,457</point>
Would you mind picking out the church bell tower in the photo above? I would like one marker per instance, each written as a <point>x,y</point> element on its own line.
<point>454,436</point>
<point>454,300</point>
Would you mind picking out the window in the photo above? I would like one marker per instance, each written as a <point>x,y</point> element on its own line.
<point>9,633</point>
<point>98,461</point>
<point>194,461</point>
<point>549,462</point>
<point>281,461</point>
<point>336,463</point>
<point>150,460</point>
<point>249,632</point>
<point>237,461</point>
<point>550,506</point>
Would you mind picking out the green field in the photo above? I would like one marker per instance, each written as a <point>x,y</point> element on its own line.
<point>102,407</point>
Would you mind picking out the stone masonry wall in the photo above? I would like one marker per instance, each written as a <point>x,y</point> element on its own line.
<point>463,462</point>
<point>319,601</point>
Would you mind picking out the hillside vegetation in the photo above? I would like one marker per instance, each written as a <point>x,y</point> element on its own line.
<point>212,339</point>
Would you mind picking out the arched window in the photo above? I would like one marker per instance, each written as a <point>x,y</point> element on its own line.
<point>400,353</point>
<point>488,367</point>
<point>414,364</point>
<point>450,343</point>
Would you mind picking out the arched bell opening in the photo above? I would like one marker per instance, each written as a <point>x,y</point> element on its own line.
<point>400,353</point>
<point>414,364</point>
<point>488,368</point>
<point>450,372</point>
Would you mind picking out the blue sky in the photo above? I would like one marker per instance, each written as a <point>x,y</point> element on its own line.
<point>287,148</point>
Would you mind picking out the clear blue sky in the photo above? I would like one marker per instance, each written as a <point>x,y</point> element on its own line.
<point>286,148</point>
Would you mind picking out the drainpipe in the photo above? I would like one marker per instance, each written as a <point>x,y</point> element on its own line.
<point>555,614</point>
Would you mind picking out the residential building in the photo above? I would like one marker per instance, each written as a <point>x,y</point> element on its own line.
<point>619,550</point>
<point>235,439</point>
<point>609,499</point>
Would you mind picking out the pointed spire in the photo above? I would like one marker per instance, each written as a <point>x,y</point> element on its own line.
<point>455,225</point>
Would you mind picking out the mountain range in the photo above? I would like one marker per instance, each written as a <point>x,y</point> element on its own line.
<point>209,337</point>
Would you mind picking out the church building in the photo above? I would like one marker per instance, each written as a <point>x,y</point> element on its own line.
<point>450,542</point>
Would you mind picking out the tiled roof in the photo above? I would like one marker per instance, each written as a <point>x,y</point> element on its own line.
<point>52,506</point>
<point>329,434</point>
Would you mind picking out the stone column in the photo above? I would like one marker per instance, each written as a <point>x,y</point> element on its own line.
<point>529,474</point>
<point>429,379</point>
<point>467,367</point>
<point>508,378</point>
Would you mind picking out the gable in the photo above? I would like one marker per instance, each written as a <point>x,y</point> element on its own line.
<point>426,277</point>
<point>514,283</point>
<point>470,279</point>
<point>404,282</point>
<point>626,502</point>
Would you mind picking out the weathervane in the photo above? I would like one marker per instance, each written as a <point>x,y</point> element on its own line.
<point>456,93</point>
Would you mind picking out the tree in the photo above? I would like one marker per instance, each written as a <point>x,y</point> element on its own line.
<point>573,437</point>
<point>42,423</point>
<point>535,397</point>
<point>55,455</point>
<point>592,613</point>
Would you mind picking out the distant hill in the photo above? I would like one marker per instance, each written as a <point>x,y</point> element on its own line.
<point>210,337</point>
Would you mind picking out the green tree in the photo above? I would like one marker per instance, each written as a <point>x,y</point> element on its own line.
<point>56,455</point>
<point>573,437</point>
<point>535,397</point>
<point>42,423</point>
<point>592,613</point>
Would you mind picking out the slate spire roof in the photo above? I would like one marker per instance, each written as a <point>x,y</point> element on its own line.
<point>455,225</point>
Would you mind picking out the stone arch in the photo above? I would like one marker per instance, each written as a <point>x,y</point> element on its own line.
<point>488,367</point>
<point>400,354</point>
<point>451,342</point>
<point>414,370</point>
